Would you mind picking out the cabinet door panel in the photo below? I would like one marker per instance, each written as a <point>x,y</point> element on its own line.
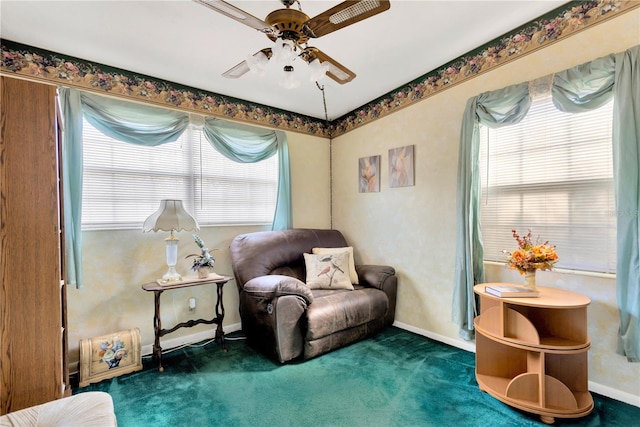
<point>32,366</point>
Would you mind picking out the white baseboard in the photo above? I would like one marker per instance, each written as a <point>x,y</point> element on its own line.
<point>613,393</point>
<point>209,334</point>
<point>147,350</point>
<point>604,390</point>
<point>464,345</point>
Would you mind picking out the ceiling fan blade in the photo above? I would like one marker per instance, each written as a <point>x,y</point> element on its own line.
<point>237,71</point>
<point>344,14</point>
<point>337,71</point>
<point>237,14</point>
<point>243,67</point>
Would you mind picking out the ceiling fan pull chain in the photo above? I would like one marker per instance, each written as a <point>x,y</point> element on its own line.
<point>324,102</point>
<point>326,118</point>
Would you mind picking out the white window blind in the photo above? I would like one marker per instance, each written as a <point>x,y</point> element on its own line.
<point>226,192</point>
<point>551,173</point>
<point>123,183</point>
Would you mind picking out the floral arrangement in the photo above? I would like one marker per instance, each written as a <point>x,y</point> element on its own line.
<point>531,256</point>
<point>204,259</point>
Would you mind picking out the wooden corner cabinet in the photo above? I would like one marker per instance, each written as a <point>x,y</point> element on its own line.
<point>531,353</point>
<point>33,368</point>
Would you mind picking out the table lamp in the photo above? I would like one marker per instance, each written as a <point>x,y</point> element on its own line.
<point>171,217</point>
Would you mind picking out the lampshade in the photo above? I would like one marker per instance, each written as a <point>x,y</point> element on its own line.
<point>171,216</point>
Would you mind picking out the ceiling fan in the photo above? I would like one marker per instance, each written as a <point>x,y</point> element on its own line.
<point>291,29</point>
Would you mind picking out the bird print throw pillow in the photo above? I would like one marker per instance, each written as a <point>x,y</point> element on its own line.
<point>353,274</point>
<point>328,271</point>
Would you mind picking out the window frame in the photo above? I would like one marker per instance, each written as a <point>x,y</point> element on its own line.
<point>570,185</point>
<point>192,141</point>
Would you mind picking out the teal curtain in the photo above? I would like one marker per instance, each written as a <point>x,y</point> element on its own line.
<point>589,86</point>
<point>151,126</point>
<point>249,144</point>
<point>71,108</point>
<point>494,109</point>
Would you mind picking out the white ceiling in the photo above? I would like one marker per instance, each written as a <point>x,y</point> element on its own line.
<point>184,42</point>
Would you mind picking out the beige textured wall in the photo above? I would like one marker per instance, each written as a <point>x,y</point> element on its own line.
<point>413,228</point>
<point>117,263</point>
<point>310,180</point>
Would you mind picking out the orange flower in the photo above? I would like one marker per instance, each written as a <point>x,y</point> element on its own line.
<point>530,256</point>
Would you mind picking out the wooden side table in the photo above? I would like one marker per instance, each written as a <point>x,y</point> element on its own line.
<point>531,353</point>
<point>158,288</point>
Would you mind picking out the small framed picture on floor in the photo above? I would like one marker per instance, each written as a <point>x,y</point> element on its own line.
<point>109,356</point>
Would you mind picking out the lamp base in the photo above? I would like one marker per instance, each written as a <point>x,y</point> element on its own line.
<point>171,275</point>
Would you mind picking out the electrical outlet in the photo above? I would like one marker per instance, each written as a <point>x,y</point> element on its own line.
<point>192,305</point>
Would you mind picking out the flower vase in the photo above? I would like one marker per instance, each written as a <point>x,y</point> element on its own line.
<point>203,272</point>
<point>530,280</point>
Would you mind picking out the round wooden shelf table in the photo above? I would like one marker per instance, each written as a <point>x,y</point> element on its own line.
<point>531,353</point>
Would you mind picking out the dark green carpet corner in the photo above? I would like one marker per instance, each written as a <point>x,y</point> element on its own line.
<point>396,378</point>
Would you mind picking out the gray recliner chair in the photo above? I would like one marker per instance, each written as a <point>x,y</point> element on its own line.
<point>285,319</point>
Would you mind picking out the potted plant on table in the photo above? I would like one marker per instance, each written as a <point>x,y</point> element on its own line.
<point>530,257</point>
<point>203,262</point>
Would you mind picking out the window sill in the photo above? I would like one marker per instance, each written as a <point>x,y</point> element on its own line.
<point>138,227</point>
<point>611,276</point>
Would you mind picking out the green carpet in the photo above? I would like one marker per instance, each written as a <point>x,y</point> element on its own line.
<point>396,378</point>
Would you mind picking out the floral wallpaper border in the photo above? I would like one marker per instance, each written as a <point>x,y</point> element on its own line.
<point>38,64</point>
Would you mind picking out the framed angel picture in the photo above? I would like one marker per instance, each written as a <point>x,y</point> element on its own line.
<point>369,174</point>
<point>401,171</point>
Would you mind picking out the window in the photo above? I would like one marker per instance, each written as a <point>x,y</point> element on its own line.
<point>123,183</point>
<point>551,173</point>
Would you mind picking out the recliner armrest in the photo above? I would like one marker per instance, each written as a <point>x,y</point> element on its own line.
<point>384,278</point>
<point>274,285</point>
<point>374,275</point>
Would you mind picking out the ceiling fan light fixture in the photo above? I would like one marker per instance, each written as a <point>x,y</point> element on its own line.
<point>257,63</point>
<point>318,70</point>
<point>284,51</point>
<point>291,29</point>
<point>289,79</point>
